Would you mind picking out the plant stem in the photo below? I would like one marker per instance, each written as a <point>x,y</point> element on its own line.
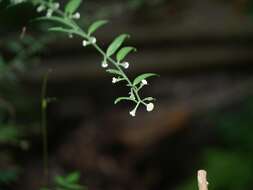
<point>44,126</point>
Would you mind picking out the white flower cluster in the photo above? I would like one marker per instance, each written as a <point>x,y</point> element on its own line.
<point>50,10</point>
<point>150,107</point>
<point>90,41</point>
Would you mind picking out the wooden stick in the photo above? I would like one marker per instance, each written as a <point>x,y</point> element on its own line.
<point>202,181</point>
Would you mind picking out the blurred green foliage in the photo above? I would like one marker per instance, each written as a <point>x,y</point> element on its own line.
<point>68,182</point>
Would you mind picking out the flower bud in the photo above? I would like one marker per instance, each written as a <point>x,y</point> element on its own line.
<point>76,15</point>
<point>114,80</point>
<point>144,82</point>
<point>85,43</point>
<point>104,64</point>
<point>125,65</point>
<point>93,40</point>
<point>40,8</point>
<point>150,107</point>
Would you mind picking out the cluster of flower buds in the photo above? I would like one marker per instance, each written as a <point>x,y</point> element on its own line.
<point>149,107</point>
<point>92,40</point>
<point>115,80</point>
<point>50,10</point>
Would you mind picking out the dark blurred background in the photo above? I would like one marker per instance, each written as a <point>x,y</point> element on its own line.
<point>203,50</point>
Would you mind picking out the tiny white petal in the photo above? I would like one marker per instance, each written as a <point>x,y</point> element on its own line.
<point>144,82</point>
<point>56,5</point>
<point>114,80</point>
<point>70,35</point>
<point>49,12</point>
<point>93,40</point>
<point>133,112</point>
<point>150,107</point>
<point>104,64</point>
<point>85,43</point>
<point>125,65</point>
<point>76,15</point>
<point>40,8</point>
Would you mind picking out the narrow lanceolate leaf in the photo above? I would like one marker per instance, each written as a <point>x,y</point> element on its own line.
<point>96,25</point>
<point>59,29</point>
<point>123,98</point>
<point>72,6</point>
<point>149,99</point>
<point>138,79</point>
<point>73,177</point>
<point>54,19</point>
<point>113,71</point>
<point>115,45</point>
<point>124,52</point>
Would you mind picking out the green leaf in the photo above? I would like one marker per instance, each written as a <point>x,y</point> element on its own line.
<point>123,98</point>
<point>115,45</point>
<point>8,134</point>
<point>73,177</point>
<point>72,6</point>
<point>114,71</point>
<point>149,99</point>
<point>60,29</point>
<point>96,25</point>
<point>124,52</point>
<point>54,19</point>
<point>59,180</point>
<point>138,79</point>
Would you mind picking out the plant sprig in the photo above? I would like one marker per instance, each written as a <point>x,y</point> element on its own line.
<point>66,23</point>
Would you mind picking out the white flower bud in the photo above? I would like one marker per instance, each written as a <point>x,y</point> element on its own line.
<point>85,43</point>
<point>150,107</point>
<point>49,12</point>
<point>76,15</point>
<point>104,64</point>
<point>114,80</point>
<point>70,35</point>
<point>125,65</point>
<point>93,40</point>
<point>133,112</point>
<point>56,6</point>
<point>144,82</point>
<point>40,8</point>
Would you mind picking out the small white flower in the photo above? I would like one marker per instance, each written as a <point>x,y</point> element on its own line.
<point>76,15</point>
<point>125,65</point>
<point>93,40</point>
<point>150,107</point>
<point>104,64</point>
<point>49,12</point>
<point>85,43</point>
<point>114,80</point>
<point>56,6</point>
<point>144,82</point>
<point>41,8</point>
<point>133,112</point>
<point>70,35</point>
